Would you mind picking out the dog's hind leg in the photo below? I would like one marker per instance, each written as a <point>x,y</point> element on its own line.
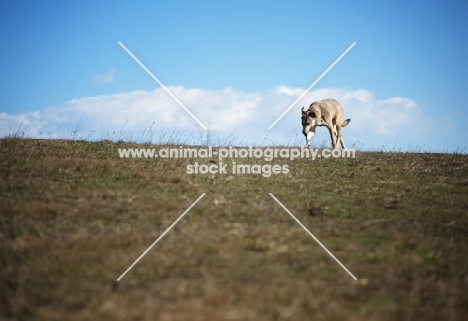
<point>340,137</point>
<point>332,134</point>
<point>343,146</point>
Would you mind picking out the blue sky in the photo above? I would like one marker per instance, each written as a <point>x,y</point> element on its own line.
<point>61,62</point>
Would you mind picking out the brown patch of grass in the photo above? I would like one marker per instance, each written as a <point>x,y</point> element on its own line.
<point>74,217</point>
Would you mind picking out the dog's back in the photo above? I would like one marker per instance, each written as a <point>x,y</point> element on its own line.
<point>329,109</point>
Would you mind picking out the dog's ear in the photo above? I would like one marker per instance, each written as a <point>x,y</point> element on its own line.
<point>303,110</point>
<point>311,114</point>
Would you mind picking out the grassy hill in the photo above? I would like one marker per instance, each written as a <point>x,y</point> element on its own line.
<point>74,216</point>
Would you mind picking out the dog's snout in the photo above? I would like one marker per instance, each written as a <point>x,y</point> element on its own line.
<point>304,132</point>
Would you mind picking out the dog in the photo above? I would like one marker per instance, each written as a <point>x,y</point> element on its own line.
<point>329,113</point>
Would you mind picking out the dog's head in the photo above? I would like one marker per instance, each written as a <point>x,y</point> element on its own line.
<point>309,120</point>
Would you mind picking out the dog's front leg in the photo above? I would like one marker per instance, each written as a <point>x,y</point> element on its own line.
<point>309,136</point>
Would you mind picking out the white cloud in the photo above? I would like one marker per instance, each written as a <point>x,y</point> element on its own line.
<point>29,124</point>
<point>131,115</point>
<point>105,78</point>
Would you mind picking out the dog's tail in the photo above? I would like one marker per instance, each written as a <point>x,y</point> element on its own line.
<point>346,122</point>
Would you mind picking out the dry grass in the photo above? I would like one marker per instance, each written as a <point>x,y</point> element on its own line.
<point>74,216</point>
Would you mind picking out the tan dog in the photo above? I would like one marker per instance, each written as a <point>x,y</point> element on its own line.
<point>329,113</point>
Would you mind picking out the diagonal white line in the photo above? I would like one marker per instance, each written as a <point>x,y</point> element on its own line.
<point>162,85</point>
<point>310,87</point>
<point>162,235</point>
<point>312,235</point>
